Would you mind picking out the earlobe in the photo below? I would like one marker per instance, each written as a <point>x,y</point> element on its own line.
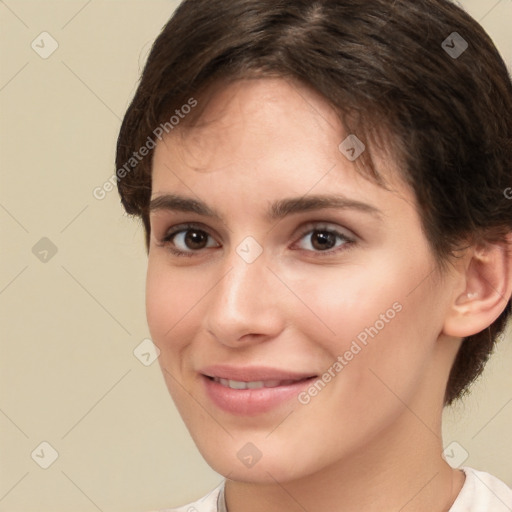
<point>487,287</point>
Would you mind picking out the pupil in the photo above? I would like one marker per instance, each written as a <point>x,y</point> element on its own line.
<point>325,240</point>
<point>196,239</point>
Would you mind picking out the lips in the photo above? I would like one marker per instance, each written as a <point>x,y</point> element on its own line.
<point>253,373</point>
<point>252,390</point>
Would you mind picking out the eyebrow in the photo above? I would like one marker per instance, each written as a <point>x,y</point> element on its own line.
<point>277,210</point>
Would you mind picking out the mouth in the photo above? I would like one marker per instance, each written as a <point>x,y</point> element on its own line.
<point>251,391</point>
<point>256,384</point>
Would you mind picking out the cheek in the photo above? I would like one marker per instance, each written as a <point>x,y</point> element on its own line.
<point>339,305</point>
<point>382,324</point>
<point>170,299</point>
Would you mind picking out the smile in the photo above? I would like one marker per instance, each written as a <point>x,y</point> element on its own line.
<point>250,391</point>
<point>256,384</point>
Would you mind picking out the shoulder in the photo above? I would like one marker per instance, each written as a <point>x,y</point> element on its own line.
<point>209,503</point>
<point>482,492</point>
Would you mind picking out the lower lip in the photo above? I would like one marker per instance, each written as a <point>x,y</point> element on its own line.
<point>250,402</point>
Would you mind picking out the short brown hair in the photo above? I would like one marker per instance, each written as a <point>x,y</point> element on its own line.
<point>423,71</point>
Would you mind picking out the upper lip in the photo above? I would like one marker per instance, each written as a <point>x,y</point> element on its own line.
<point>252,373</point>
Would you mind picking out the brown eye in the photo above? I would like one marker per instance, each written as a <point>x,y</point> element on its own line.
<point>186,240</point>
<point>195,239</point>
<point>322,240</point>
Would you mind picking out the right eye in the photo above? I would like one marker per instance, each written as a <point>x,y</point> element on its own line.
<point>185,240</point>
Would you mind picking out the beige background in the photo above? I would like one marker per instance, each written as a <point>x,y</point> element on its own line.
<point>69,325</point>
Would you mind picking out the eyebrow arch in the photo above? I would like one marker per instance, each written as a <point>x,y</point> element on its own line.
<point>277,210</point>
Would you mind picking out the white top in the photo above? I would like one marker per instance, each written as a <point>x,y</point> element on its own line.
<point>481,492</point>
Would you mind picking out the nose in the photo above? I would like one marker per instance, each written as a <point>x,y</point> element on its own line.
<point>244,305</point>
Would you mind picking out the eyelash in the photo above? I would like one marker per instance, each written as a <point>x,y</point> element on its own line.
<point>311,228</point>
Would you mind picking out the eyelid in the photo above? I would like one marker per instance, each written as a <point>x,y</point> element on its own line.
<point>184,226</point>
<point>327,226</point>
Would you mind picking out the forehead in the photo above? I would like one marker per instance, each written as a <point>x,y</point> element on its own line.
<point>258,132</point>
<point>257,118</point>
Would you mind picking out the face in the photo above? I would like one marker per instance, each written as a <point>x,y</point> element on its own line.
<point>293,301</point>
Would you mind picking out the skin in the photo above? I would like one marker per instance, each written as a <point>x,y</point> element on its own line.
<point>371,439</point>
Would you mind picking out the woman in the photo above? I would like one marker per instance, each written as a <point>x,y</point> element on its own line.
<point>323,189</point>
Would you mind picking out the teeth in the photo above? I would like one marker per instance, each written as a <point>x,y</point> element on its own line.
<point>257,384</point>
<point>236,384</point>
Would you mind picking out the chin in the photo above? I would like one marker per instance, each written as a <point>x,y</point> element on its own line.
<point>262,472</point>
<point>240,460</point>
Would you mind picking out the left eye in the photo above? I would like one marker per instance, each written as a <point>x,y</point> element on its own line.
<point>323,240</point>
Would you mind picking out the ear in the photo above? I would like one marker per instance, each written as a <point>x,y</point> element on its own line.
<point>485,276</point>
